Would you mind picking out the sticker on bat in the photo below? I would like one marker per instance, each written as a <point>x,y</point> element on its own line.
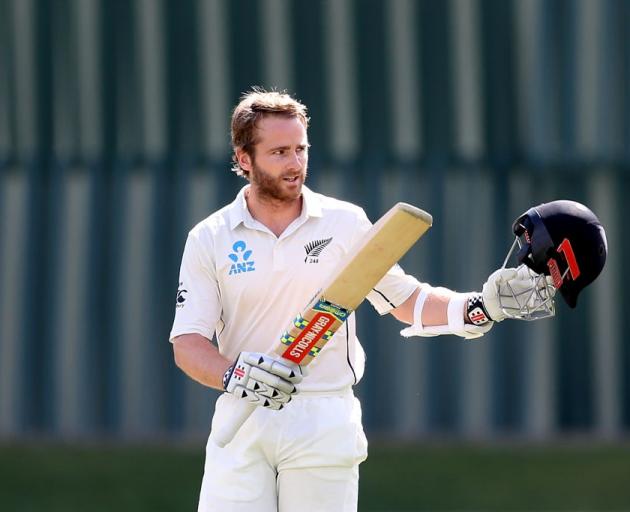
<point>312,333</point>
<point>338,312</point>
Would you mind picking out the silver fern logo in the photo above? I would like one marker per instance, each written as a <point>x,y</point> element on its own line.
<point>314,249</point>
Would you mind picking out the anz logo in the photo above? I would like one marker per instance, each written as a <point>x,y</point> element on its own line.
<point>241,259</point>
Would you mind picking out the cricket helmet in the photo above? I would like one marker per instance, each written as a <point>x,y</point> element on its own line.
<point>564,241</point>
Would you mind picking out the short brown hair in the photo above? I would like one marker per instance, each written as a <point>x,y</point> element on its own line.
<point>255,105</point>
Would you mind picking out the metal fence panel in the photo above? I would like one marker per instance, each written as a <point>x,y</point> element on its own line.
<point>114,142</point>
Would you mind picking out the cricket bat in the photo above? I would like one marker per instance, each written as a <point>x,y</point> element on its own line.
<point>365,265</point>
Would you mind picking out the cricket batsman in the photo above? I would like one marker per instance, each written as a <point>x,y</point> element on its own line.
<point>249,267</point>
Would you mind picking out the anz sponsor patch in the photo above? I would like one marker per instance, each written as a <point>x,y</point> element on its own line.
<point>241,258</point>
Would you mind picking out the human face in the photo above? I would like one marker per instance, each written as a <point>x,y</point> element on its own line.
<point>278,167</point>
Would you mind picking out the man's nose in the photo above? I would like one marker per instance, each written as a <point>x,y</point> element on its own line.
<point>296,160</point>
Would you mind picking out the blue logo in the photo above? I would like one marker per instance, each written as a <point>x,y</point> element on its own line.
<point>241,258</point>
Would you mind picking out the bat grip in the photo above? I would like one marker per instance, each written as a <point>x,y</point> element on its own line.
<point>243,410</point>
<point>234,421</point>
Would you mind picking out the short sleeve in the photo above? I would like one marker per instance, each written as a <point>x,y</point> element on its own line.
<point>391,291</point>
<point>197,307</point>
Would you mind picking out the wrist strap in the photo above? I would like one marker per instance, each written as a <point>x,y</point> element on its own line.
<point>227,375</point>
<point>476,312</point>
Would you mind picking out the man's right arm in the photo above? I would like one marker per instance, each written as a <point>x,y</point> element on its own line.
<point>257,378</point>
<point>198,358</point>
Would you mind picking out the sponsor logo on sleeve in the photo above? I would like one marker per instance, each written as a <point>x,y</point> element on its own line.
<point>181,296</point>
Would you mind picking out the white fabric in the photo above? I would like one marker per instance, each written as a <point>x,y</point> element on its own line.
<point>244,284</point>
<point>283,461</point>
<point>417,327</point>
<point>455,315</point>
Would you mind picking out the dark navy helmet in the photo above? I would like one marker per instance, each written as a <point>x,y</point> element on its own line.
<point>565,240</point>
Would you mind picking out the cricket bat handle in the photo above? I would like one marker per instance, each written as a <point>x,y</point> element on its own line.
<point>238,416</point>
<point>235,420</point>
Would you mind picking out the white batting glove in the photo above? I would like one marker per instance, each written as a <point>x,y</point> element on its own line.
<point>262,380</point>
<point>510,292</point>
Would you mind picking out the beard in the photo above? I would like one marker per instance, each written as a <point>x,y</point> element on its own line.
<point>276,188</point>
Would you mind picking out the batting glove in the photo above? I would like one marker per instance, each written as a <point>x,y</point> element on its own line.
<point>262,380</point>
<point>512,292</point>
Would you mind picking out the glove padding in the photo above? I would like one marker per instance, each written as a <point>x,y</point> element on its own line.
<point>508,291</point>
<point>262,380</point>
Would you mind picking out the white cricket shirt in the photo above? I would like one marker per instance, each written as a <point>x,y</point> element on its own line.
<point>243,285</point>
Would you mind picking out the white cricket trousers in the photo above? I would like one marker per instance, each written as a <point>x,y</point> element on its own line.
<point>304,458</point>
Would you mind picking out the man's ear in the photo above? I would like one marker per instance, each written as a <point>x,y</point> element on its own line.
<point>244,160</point>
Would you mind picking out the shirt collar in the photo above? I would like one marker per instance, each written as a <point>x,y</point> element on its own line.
<point>312,204</point>
<point>311,207</point>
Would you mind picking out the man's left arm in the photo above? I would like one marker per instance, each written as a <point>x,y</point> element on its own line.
<point>432,311</point>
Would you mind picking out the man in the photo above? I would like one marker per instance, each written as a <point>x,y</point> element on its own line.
<point>245,270</point>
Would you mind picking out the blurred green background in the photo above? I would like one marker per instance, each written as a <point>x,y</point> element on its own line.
<point>114,142</point>
<point>396,477</point>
